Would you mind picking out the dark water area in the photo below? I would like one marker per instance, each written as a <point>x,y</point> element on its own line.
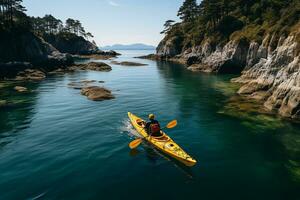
<point>57,144</point>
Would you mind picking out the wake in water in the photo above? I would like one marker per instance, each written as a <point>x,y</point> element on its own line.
<point>151,152</point>
<point>128,129</point>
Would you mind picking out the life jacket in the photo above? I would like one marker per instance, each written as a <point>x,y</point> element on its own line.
<point>154,128</point>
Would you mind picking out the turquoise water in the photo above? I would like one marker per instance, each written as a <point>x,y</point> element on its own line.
<point>56,144</point>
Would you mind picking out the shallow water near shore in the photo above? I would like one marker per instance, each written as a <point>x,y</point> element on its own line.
<point>57,144</point>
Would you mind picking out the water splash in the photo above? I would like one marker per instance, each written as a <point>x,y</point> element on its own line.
<point>129,129</point>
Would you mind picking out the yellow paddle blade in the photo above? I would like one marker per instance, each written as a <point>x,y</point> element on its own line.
<point>172,124</point>
<point>135,143</point>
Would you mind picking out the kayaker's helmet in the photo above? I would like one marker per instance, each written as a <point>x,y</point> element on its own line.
<point>151,116</point>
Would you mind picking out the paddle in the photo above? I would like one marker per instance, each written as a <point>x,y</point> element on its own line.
<point>135,143</point>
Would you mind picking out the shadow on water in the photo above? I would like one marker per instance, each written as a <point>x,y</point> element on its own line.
<point>17,110</point>
<point>262,138</point>
<point>153,156</point>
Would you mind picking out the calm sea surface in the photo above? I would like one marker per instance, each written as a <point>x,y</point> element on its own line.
<point>56,144</point>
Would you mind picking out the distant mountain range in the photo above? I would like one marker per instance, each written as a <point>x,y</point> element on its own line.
<point>137,46</point>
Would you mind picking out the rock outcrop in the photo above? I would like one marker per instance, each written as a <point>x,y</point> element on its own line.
<point>71,43</point>
<point>99,55</point>
<point>169,47</point>
<point>272,74</point>
<point>25,50</point>
<point>21,89</point>
<point>126,63</point>
<point>228,58</point>
<point>30,75</point>
<point>93,66</point>
<point>96,93</point>
<point>270,69</point>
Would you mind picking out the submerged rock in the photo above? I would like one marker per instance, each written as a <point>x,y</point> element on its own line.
<point>30,75</point>
<point>3,103</point>
<point>96,93</point>
<point>75,85</point>
<point>94,66</point>
<point>150,57</point>
<point>88,81</point>
<point>21,89</point>
<point>126,63</point>
<point>81,84</point>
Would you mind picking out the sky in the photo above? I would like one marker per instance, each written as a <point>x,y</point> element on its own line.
<point>112,21</point>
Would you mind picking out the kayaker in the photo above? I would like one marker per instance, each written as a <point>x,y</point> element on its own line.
<point>153,127</point>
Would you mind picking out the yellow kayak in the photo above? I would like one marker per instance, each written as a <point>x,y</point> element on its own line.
<point>164,143</point>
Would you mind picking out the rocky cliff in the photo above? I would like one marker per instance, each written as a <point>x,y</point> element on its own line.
<point>270,69</point>
<point>71,43</point>
<point>19,51</point>
<point>272,73</point>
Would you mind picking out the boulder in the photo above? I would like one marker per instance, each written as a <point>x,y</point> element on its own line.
<point>96,93</point>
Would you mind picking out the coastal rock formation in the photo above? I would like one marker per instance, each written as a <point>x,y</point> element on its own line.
<point>273,74</point>
<point>30,75</point>
<point>126,63</point>
<point>270,69</point>
<point>77,45</point>
<point>71,43</point>
<point>82,84</point>
<point>228,59</point>
<point>3,103</point>
<point>169,47</point>
<point>99,55</point>
<point>94,66</point>
<point>150,57</point>
<point>96,93</point>
<point>26,50</point>
<point>21,89</point>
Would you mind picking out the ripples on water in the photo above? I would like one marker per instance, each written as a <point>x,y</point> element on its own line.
<point>56,144</point>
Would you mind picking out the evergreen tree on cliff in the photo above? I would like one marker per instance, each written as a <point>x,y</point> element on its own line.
<point>168,25</point>
<point>10,11</point>
<point>188,11</point>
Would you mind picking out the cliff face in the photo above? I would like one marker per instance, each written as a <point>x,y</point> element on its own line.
<point>71,43</point>
<point>207,57</point>
<point>272,74</point>
<point>270,70</point>
<point>19,51</point>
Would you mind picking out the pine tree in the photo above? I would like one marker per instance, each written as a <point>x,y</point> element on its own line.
<point>188,11</point>
<point>168,25</point>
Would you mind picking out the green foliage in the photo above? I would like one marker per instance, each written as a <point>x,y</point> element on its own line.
<point>10,12</point>
<point>50,25</point>
<point>228,25</point>
<point>168,25</point>
<point>188,11</point>
<point>221,20</point>
<point>13,19</point>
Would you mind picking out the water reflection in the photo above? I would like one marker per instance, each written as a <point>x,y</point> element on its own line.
<point>211,101</point>
<point>17,110</point>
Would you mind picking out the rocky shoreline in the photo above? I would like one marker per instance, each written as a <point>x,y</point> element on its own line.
<point>269,70</point>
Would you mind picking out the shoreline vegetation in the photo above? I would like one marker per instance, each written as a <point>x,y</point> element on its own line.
<point>223,37</point>
<point>43,44</point>
<point>257,40</point>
